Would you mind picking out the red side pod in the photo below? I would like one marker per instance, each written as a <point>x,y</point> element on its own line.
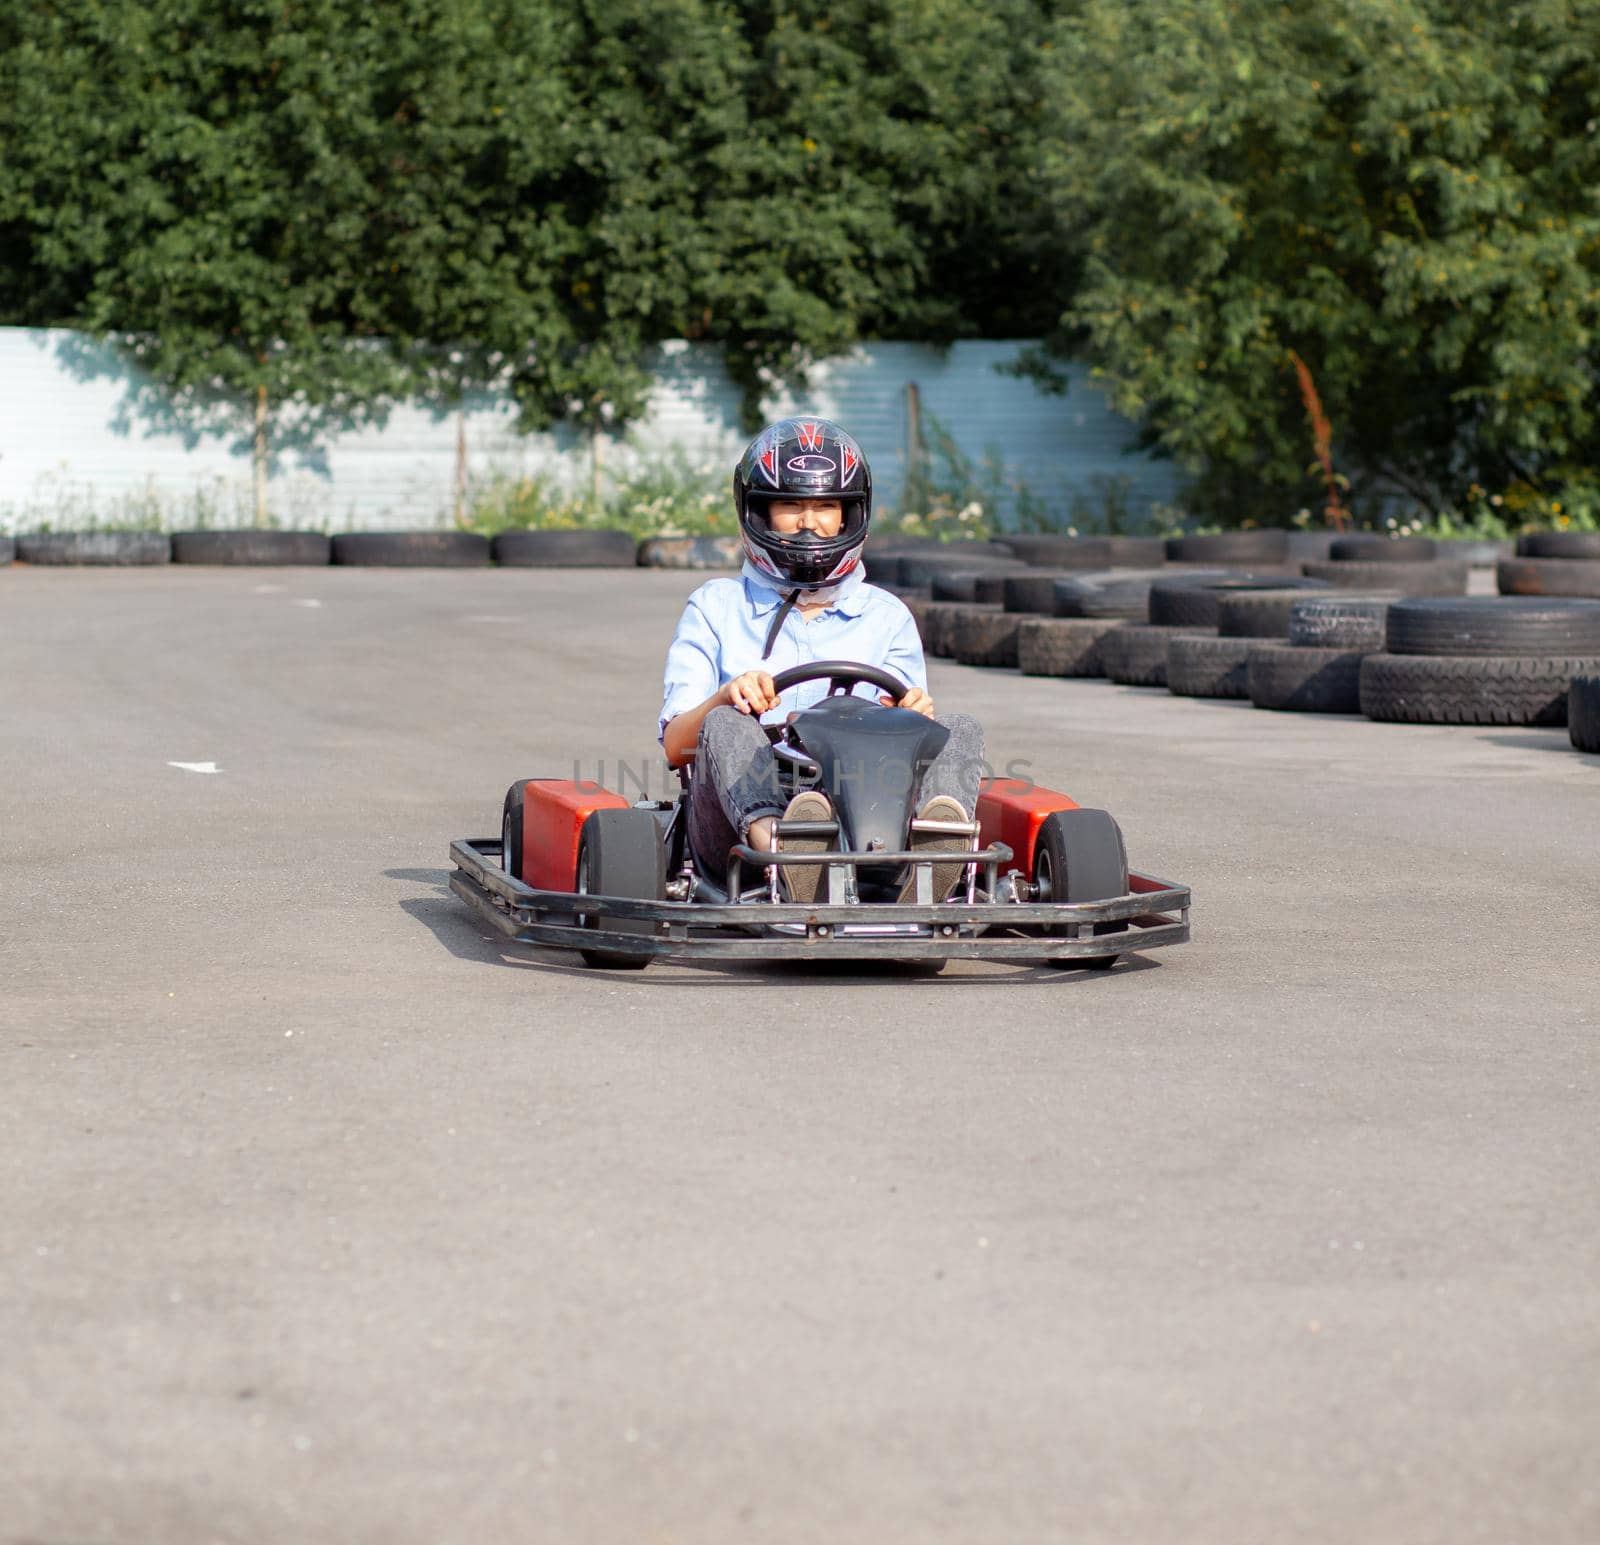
<point>553,813</point>
<point>1012,811</point>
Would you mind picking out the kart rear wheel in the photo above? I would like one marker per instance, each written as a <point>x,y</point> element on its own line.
<point>620,854</point>
<point>1080,856</point>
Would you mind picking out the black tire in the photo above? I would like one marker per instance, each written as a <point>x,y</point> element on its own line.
<point>1033,594</point>
<point>511,830</point>
<point>1137,552</point>
<point>1256,613</point>
<point>1583,713</point>
<point>278,549</point>
<point>1062,646</point>
<point>954,585</point>
<point>1297,679</point>
<point>1315,545</point>
<point>620,854</point>
<point>608,549</point>
<point>1209,667</point>
<point>1548,576</point>
<point>1382,549</point>
<point>1436,578</point>
<point>1470,689</point>
<point>1494,625</point>
<point>1341,621</point>
<point>1559,544</point>
<point>1243,547</point>
<point>96,549</point>
<point>1113,600</point>
<point>921,568</point>
<point>1062,552</point>
<point>933,623</point>
<point>411,549</point>
<point>1083,848</point>
<point>1197,603</point>
<point>882,569</point>
<point>979,636</point>
<point>1135,655</point>
<point>691,552</point>
<point>955,615</point>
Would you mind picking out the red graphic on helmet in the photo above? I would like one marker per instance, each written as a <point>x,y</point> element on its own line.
<point>769,460</point>
<point>851,460</point>
<point>810,436</point>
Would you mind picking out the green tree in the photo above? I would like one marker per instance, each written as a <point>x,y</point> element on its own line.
<point>1401,191</point>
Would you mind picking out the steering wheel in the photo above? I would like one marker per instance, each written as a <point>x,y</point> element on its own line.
<point>841,676</point>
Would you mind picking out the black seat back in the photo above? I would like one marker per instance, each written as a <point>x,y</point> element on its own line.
<point>872,760</point>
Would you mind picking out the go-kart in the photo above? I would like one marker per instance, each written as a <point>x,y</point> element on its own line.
<point>580,867</point>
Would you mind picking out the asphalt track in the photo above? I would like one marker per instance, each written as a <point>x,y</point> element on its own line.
<point>328,1218</point>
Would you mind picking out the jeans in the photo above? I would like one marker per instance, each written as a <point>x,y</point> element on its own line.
<point>737,779</point>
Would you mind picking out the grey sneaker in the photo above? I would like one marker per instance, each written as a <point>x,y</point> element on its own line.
<point>942,807</point>
<point>803,881</point>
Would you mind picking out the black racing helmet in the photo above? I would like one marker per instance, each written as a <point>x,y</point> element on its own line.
<point>803,458</point>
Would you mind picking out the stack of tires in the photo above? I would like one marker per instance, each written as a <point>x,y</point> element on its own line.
<point>1410,565</point>
<point>1552,563</point>
<point>1481,660</point>
<point>1087,608</point>
<point>1180,646</point>
<point>1317,668</point>
<point>1247,611</point>
<point>945,588</point>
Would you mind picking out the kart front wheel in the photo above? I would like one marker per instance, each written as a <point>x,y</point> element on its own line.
<point>620,854</point>
<point>1079,856</point>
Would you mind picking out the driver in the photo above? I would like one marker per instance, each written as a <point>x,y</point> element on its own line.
<point>803,495</point>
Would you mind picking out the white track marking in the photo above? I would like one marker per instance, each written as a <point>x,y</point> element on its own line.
<point>197,767</point>
<point>306,601</point>
<point>265,589</point>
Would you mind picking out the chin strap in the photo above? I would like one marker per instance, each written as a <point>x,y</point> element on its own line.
<point>778,620</point>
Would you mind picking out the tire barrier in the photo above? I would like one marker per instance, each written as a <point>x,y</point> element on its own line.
<point>1236,547</point>
<point>1122,600</point>
<point>1209,667</point>
<point>1190,603</point>
<point>1558,544</point>
<point>1301,678</point>
<point>1493,625</point>
<point>1062,646</point>
<point>411,549</point>
<point>1441,577</point>
<point>983,636</point>
<point>1548,576</point>
<point>1341,621</point>
<point>691,552</point>
<point>97,549</point>
<point>1382,549</point>
<point>1256,613</point>
<point>1135,655</point>
<point>1471,689</point>
<point>608,549</point>
<point>280,549</point>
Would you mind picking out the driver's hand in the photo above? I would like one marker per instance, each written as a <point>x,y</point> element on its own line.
<point>915,699</point>
<point>751,693</point>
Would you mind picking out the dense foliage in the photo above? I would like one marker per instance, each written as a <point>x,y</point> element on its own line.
<point>532,194</point>
<point>308,210</point>
<point>1403,192</point>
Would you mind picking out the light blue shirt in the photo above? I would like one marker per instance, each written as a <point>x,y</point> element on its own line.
<point>725,624</point>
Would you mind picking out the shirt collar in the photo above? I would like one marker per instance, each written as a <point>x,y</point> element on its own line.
<point>764,594</point>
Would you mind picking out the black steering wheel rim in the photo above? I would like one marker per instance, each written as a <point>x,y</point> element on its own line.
<point>835,672</point>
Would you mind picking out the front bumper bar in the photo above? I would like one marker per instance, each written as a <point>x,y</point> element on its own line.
<point>1153,915</point>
